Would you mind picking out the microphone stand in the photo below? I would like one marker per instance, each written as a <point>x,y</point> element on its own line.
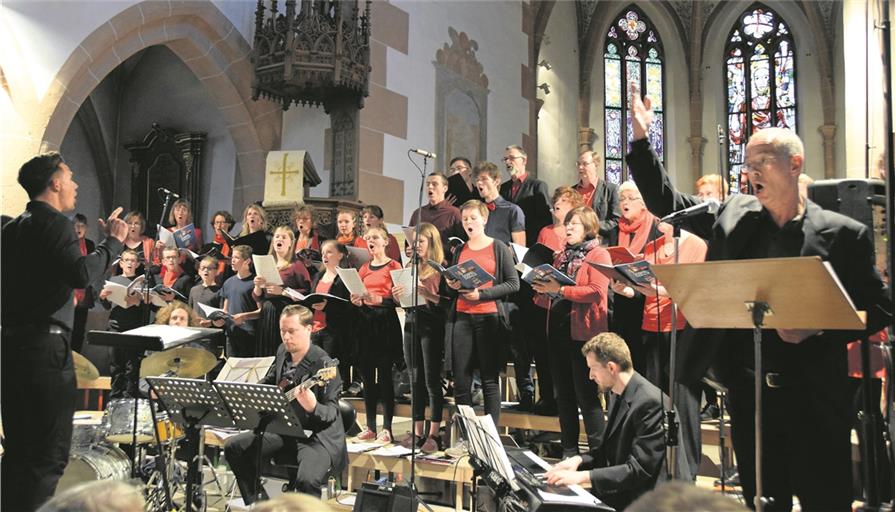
<point>414,328</point>
<point>725,178</point>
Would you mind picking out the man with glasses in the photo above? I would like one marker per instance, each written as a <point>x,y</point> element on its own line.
<point>533,197</point>
<point>806,398</point>
<point>600,195</point>
<point>461,183</point>
<point>529,193</point>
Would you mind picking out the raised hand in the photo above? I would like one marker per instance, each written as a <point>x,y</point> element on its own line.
<point>114,227</point>
<point>641,113</point>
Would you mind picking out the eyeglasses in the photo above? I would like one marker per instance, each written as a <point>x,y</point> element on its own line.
<point>629,198</point>
<point>509,158</point>
<point>585,164</point>
<point>573,223</point>
<point>759,164</point>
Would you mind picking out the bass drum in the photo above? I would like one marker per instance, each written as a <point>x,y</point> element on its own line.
<point>97,462</point>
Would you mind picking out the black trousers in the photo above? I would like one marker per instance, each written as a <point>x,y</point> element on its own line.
<point>313,461</point>
<point>520,345</point>
<point>378,386</point>
<point>806,443</point>
<point>687,397</point>
<point>477,345</point>
<point>426,365</point>
<point>327,339</point>
<point>574,390</point>
<point>537,332</point>
<point>242,343</point>
<point>38,401</point>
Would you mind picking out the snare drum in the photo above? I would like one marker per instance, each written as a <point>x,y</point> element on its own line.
<point>99,462</point>
<point>167,429</point>
<point>121,421</point>
<point>88,428</point>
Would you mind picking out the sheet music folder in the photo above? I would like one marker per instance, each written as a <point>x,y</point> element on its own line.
<point>802,293</point>
<point>152,337</point>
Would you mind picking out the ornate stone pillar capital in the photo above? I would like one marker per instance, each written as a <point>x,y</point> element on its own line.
<point>586,138</point>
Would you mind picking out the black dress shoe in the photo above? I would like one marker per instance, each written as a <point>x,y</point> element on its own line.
<point>526,403</point>
<point>710,412</point>
<point>545,408</point>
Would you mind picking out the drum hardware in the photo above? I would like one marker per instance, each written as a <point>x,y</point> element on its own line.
<point>84,369</point>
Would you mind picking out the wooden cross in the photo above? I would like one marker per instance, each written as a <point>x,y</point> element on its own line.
<point>284,173</point>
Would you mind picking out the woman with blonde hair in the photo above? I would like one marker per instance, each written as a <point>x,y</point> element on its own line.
<point>254,222</point>
<point>428,344</point>
<point>178,314</point>
<point>181,216</point>
<point>293,274</point>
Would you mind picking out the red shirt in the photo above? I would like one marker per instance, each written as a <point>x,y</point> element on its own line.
<point>485,258</point>
<point>587,192</point>
<point>392,250</point>
<point>378,280</point>
<point>320,315</point>
<point>692,249</point>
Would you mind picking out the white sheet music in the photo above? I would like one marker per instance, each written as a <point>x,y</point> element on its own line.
<point>170,335</point>
<point>266,267</point>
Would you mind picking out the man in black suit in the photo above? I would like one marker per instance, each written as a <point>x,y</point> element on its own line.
<point>531,194</point>
<point>600,195</point>
<point>323,452</point>
<point>806,402</point>
<point>629,461</point>
<point>533,197</point>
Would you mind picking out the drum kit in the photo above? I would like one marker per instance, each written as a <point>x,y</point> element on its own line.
<point>96,436</point>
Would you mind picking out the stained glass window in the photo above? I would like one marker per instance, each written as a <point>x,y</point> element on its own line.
<point>632,55</point>
<point>761,81</point>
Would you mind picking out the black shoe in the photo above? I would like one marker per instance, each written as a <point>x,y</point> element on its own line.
<point>545,408</point>
<point>709,412</point>
<point>526,403</point>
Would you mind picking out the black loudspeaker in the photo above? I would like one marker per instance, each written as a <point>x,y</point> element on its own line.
<point>388,497</point>
<point>860,199</point>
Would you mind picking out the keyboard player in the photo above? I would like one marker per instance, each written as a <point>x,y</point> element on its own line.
<point>628,462</point>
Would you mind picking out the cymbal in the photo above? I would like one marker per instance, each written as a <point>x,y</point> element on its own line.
<point>184,362</point>
<point>84,369</point>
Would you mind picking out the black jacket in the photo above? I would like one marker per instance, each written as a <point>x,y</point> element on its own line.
<point>339,315</point>
<point>606,203</point>
<point>631,457</point>
<point>534,199</point>
<point>42,264</point>
<point>326,421</point>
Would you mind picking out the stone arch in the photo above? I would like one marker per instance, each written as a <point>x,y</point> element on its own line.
<point>211,47</point>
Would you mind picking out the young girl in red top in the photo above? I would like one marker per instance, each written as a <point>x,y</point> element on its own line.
<point>477,325</point>
<point>346,226</point>
<point>307,239</point>
<point>372,217</point>
<point>333,318</point>
<point>577,313</point>
<point>378,336</point>
<point>293,274</point>
<point>428,346</point>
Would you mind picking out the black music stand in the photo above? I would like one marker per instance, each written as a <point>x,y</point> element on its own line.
<point>777,293</point>
<point>260,408</point>
<point>191,402</point>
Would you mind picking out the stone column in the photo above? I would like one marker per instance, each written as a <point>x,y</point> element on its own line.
<point>345,121</point>
<point>697,150</point>
<point>828,132</point>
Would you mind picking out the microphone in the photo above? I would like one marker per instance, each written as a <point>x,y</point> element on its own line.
<point>163,190</point>
<point>707,206</point>
<point>427,154</point>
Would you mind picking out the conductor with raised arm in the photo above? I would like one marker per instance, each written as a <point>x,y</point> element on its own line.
<point>42,265</point>
<point>806,401</point>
